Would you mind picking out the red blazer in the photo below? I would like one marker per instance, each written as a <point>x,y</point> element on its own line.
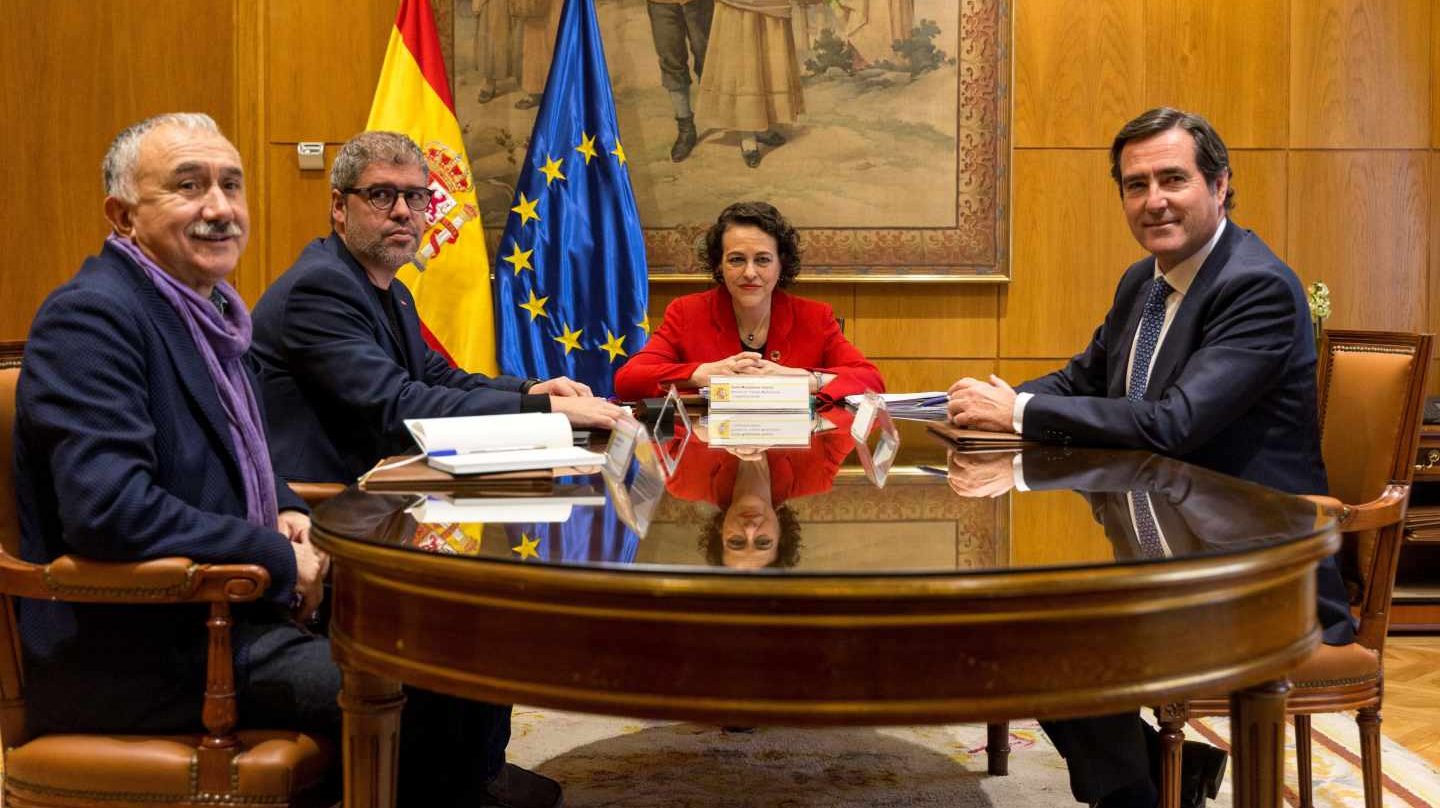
<point>701,328</point>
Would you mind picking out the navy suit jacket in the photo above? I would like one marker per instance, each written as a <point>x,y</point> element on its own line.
<point>1233,384</point>
<point>122,453</point>
<point>338,382</point>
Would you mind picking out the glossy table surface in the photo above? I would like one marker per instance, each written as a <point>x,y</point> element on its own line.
<point>748,587</point>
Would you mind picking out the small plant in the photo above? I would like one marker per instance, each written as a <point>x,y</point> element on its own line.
<point>917,54</point>
<point>831,51</point>
<point>1319,298</point>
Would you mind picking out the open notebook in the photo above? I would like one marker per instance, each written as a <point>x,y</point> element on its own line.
<point>483,444</point>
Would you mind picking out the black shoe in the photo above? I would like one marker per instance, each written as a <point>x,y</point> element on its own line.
<point>685,138</point>
<point>515,787</point>
<point>752,158</point>
<point>1202,770</point>
<point>528,101</point>
<point>770,138</point>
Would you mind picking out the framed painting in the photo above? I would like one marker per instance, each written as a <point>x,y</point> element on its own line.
<point>882,128</point>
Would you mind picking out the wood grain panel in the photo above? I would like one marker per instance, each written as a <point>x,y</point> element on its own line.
<point>1261,192</point>
<point>72,75</point>
<point>1433,382</point>
<point>662,293</point>
<point>839,296</point>
<point>1432,300</point>
<point>925,321</point>
<point>1071,245</point>
<point>1226,61</point>
<point>1079,70</point>
<point>1359,74</point>
<point>298,209</point>
<point>324,59</point>
<point>1016,371</point>
<point>1364,237</point>
<point>918,375</point>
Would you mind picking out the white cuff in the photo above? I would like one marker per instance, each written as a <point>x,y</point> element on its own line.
<point>1019,471</point>
<point>1017,419</point>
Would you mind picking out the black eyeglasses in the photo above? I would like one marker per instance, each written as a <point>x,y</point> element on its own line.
<point>382,197</point>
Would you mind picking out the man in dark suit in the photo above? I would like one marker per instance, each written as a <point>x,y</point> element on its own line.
<point>1206,355</point>
<point>338,348</point>
<point>138,436</point>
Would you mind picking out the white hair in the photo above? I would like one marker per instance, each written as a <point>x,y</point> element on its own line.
<point>124,153</point>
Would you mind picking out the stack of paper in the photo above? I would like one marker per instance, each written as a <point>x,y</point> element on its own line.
<point>929,406</point>
<point>482,444</point>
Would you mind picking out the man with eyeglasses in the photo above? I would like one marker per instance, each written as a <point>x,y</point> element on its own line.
<point>341,363</point>
<point>338,348</point>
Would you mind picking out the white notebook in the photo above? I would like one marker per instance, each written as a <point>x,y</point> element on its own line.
<point>481,444</point>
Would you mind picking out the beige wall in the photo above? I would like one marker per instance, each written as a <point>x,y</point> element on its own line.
<point>1326,104</point>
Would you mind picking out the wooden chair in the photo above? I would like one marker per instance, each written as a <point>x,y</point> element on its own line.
<point>1372,390</point>
<point>221,766</point>
<point>1371,387</point>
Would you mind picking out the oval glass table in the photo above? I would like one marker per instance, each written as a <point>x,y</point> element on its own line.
<point>826,582</point>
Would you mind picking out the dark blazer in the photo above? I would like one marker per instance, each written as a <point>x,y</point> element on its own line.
<point>338,382</point>
<point>122,453</point>
<point>1233,384</point>
<point>701,328</point>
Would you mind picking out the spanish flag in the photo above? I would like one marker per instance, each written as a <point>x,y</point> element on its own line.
<point>450,275</point>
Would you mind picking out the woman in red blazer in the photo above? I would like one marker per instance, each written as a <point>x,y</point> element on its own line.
<point>747,324</point>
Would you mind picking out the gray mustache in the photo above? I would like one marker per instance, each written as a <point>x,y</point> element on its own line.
<point>206,229</point>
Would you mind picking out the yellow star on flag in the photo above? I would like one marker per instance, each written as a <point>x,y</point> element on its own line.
<point>551,170</point>
<point>645,324</point>
<point>519,259</point>
<point>526,209</point>
<point>587,147</point>
<point>619,152</point>
<point>526,547</point>
<point>570,339</point>
<point>536,306</point>
<point>612,345</point>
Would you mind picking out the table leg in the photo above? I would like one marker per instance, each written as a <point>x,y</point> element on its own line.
<point>1257,742</point>
<point>371,707</point>
<point>1171,718</point>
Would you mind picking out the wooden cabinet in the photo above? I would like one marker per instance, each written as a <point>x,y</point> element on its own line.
<point>1417,581</point>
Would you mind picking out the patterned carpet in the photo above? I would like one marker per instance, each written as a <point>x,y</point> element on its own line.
<point>625,763</point>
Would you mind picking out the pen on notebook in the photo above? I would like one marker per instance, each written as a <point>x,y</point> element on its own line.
<point>934,470</point>
<point>486,450</point>
<point>933,400</point>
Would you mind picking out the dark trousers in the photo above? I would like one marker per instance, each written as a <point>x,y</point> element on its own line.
<point>672,27</point>
<point>1110,752</point>
<point>450,748</point>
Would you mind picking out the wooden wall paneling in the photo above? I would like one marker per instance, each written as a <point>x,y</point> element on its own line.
<point>324,60</point>
<point>72,76</point>
<point>840,297</point>
<point>1226,61</point>
<point>1016,371</point>
<point>1432,299</point>
<point>919,375</point>
<point>251,277</point>
<point>1262,189</point>
<point>1071,245</point>
<point>662,293</point>
<point>925,321</point>
<point>1079,70</point>
<point>1433,383</point>
<point>1359,220</point>
<point>298,209</point>
<point>1359,74</point>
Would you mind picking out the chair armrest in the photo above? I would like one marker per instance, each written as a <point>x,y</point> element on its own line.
<point>161,580</point>
<point>1386,509</point>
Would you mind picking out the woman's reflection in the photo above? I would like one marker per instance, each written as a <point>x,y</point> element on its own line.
<point>754,528</point>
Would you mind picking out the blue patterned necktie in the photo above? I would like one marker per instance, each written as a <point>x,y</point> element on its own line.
<point>1147,530</point>
<point>1152,320</point>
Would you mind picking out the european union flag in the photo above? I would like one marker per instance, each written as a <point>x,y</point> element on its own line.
<point>571,284</point>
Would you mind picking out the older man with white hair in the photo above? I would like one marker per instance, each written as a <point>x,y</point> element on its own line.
<point>138,436</point>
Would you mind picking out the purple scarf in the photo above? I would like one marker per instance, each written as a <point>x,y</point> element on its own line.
<point>222,341</point>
